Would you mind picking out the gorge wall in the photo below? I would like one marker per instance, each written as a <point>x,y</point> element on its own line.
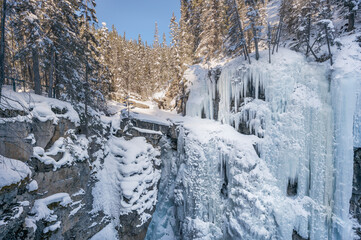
<point>290,174</point>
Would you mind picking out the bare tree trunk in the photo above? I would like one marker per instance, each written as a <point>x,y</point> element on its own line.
<point>308,35</point>
<point>245,47</point>
<point>276,39</point>
<point>14,71</point>
<point>51,73</point>
<point>36,71</point>
<point>279,33</point>
<point>2,48</point>
<point>255,39</point>
<point>23,65</point>
<point>328,45</point>
<point>351,18</point>
<point>313,53</point>
<point>57,78</point>
<point>31,78</point>
<point>245,50</point>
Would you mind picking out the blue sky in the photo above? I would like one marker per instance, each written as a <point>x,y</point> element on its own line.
<point>138,16</point>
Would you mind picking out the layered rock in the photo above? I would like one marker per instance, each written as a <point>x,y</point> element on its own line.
<point>355,203</point>
<point>18,217</point>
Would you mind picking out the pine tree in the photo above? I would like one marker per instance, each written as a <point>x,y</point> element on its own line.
<point>210,39</point>
<point>156,43</point>
<point>175,61</point>
<point>91,94</point>
<point>156,56</point>
<point>195,9</point>
<point>236,37</point>
<point>104,51</point>
<point>164,63</point>
<point>28,29</point>
<point>254,23</point>
<point>60,55</point>
<point>352,6</point>
<point>187,38</point>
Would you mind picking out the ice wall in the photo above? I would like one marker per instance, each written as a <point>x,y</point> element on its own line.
<point>214,186</point>
<point>303,113</point>
<point>343,94</point>
<point>346,102</point>
<point>357,120</point>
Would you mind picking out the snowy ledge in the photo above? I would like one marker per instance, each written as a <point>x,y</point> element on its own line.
<point>12,171</point>
<point>36,106</point>
<point>42,212</point>
<point>72,148</point>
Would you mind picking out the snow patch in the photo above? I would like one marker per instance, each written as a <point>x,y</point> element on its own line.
<point>32,186</point>
<point>108,233</point>
<point>36,106</point>
<point>73,148</point>
<point>12,171</point>
<point>41,211</point>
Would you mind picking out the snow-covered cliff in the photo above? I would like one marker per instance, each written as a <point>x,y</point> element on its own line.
<point>274,159</point>
<point>304,117</point>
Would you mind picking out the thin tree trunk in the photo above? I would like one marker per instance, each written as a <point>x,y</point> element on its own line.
<point>36,71</point>
<point>14,72</point>
<point>57,78</point>
<point>23,66</point>
<point>245,50</point>
<point>31,78</point>
<point>328,45</point>
<point>255,39</point>
<point>308,35</point>
<point>245,47</point>
<point>275,42</point>
<point>313,53</point>
<point>2,48</point>
<point>279,33</point>
<point>51,72</point>
<point>351,18</point>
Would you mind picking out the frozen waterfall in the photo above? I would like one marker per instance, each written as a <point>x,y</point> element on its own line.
<point>298,117</point>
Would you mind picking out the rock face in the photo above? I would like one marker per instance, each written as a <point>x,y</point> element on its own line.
<point>17,139</point>
<point>16,143</point>
<point>13,143</point>
<point>296,236</point>
<point>77,219</point>
<point>46,133</point>
<point>134,221</point>
<point>12,211</point>
<point>355,203</point>
<point>128,231</point>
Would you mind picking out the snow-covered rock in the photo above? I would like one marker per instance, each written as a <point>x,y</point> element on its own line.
<point>127,184</point>
<point>12,171</point>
